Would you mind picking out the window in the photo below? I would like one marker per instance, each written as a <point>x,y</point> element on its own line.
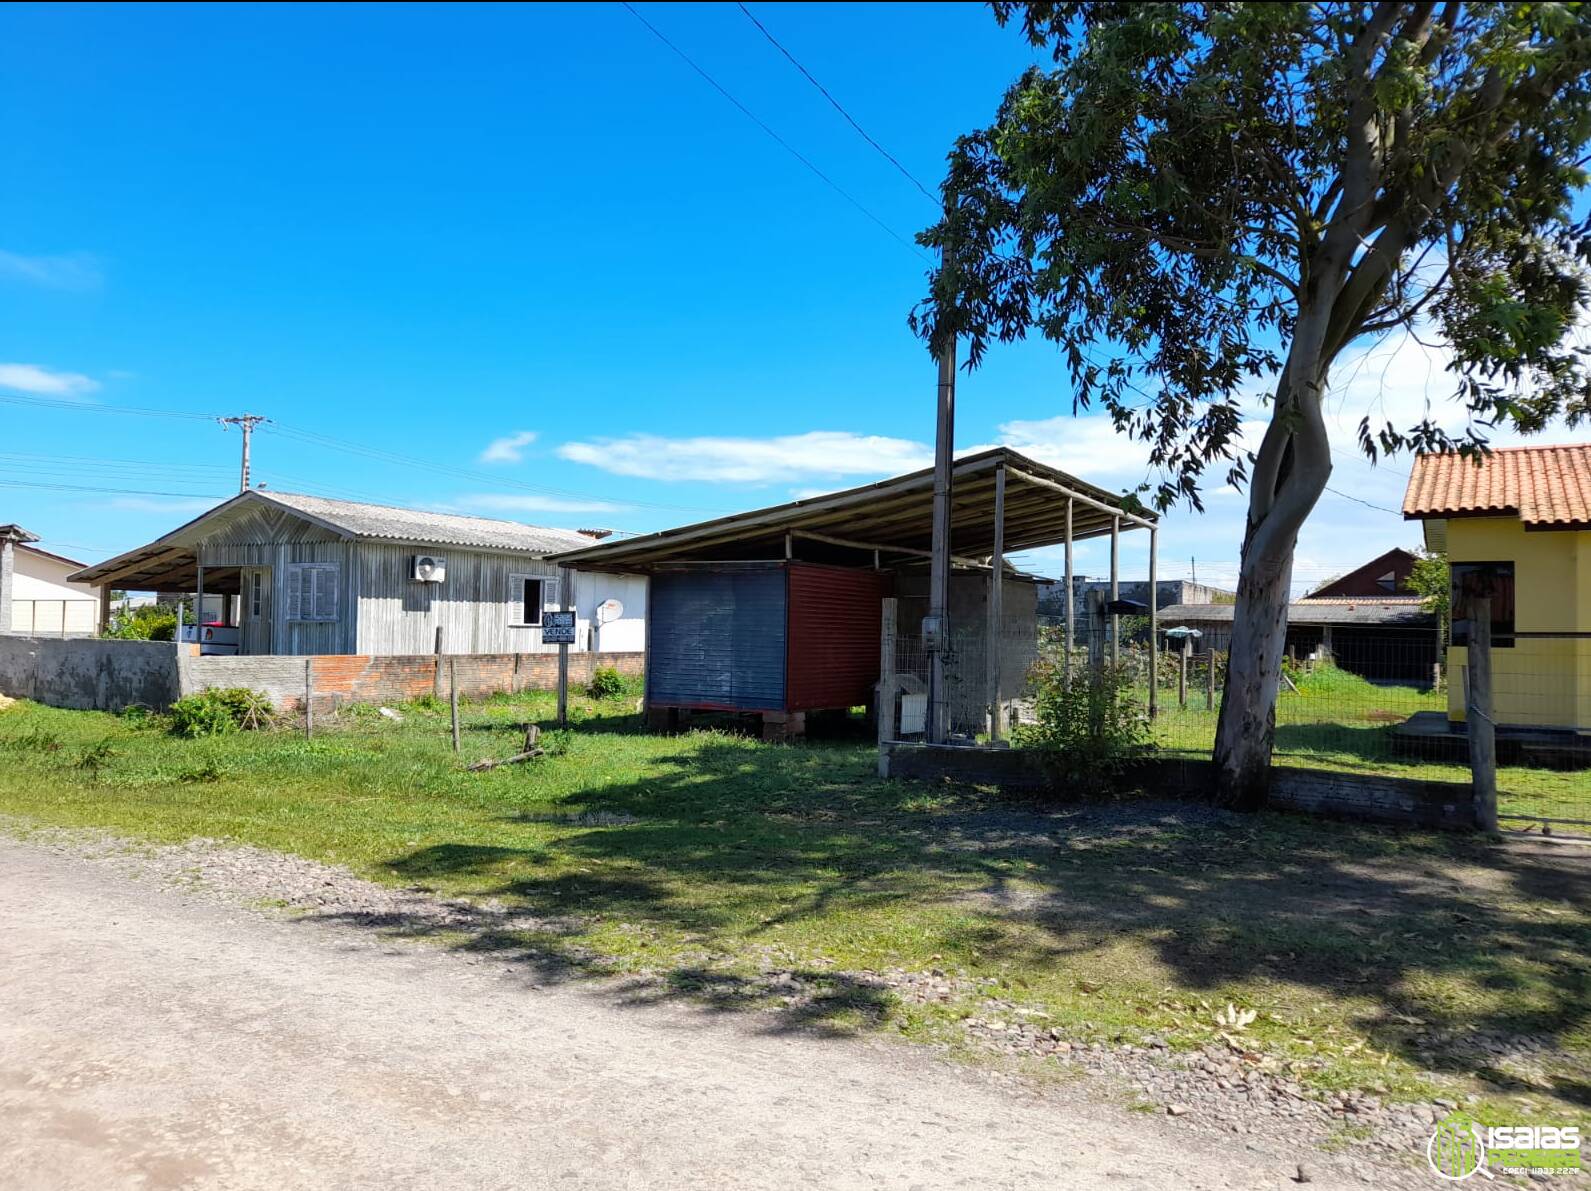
<point>1481,578</point>
<point>256,594</point>
<point>312,591</point>
<point>525,600</point>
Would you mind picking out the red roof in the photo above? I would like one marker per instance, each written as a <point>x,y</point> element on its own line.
<point>1546,487</point>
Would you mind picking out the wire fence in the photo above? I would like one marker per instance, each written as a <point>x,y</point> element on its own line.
<point>1392,705</point>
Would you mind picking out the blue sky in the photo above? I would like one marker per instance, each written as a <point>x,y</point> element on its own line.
<point>529,247</point>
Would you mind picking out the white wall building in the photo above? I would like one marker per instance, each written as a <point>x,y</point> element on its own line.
<point>35,597</point>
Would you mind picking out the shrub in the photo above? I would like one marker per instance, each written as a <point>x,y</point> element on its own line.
<point>148,622</point>
<point>606,683</point>
<point>220,711</point>
<point>1090,726</point>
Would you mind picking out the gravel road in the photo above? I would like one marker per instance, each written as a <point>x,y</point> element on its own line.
<point>155,1035</point>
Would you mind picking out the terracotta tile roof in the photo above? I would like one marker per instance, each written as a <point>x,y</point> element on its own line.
<point>1543,486</point>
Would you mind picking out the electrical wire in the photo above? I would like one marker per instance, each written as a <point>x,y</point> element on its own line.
<point>93,407</point>
<point>409,461</point>
<point>1367,504</point>
<point>111,491</point>
<point>119,468</point>
<point>784,144</point>
<point>849,119</point>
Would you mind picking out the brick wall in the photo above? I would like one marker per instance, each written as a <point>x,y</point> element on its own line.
<point>358,678</point>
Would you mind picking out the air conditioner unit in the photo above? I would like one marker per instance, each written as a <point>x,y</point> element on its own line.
<point>429,568</point>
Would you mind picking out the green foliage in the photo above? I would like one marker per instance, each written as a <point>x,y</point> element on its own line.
<point>1188,196</point>
<point>1431,579</point>
<point>220,711</point>
<point>606,683</point>
<point>147,622</point>
<point>1090,726</point>
<point>34,740</point>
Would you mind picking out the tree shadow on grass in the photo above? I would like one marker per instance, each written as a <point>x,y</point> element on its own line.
<point>1446,950</point>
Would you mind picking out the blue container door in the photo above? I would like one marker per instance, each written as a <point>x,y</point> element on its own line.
<point>718,640</point>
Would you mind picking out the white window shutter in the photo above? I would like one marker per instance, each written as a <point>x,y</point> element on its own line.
<point>295,578</point>
<point>325,601</point>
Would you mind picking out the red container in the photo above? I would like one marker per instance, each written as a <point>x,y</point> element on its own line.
<point>832,635</point>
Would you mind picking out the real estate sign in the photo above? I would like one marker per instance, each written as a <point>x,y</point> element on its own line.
<point>557,628</point>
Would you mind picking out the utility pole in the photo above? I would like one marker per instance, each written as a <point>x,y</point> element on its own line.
<point>936,629</point>
<point>248,422</point>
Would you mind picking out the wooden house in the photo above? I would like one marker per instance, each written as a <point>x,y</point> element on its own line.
<point>310,575</point>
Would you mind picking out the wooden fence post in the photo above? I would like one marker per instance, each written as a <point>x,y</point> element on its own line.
<point>436,670</point>
<point>885,712</point>
<point>309,697</point>
<point>1209,681</point>
<point>1182,672</point>
<point>1482,730</point>
<point>566,601</point>
<point>453,698</point>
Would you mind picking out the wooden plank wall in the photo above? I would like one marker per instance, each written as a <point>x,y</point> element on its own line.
<point>476,605</point>
<point>270,538</point>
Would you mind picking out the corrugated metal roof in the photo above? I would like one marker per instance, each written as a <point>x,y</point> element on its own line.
<point>174,551</point>
<point>1405,613</point>
<point>894,516</point>
<point>1546,487</point>
<point>412,525</point>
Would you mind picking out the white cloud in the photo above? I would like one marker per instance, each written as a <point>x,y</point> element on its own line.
<point>72,271</point>
<point>1091,448</point>
<point>514,502</point>
<point>163,504</point>
<point>781,460</point>
<point>508,449</point>
<point>35,378</point>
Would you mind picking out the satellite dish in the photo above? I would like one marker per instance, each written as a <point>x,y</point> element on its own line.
<point>609,610</point>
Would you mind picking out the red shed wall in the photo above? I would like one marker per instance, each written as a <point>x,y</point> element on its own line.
<point>834,615</point>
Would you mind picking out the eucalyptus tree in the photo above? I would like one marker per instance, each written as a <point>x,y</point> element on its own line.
<point>1205,205</point>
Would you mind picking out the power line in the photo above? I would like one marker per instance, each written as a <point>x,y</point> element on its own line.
<point>111,491</point>
<point>306,436</point>
<point>1366,503</point>
<point>90,407</point>
<point>786,145</point>
<point>409,461</point>
<point>849,119</point>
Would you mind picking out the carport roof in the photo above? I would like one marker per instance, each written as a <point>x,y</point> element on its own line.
<point>893,516</point>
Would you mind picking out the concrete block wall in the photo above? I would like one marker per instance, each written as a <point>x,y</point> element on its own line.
<point>338,679</point>
<point>1403,802</point>
<point>86,674</point>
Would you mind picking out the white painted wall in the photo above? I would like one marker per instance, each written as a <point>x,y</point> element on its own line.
<point>44,603</point>
<point>628,633</point>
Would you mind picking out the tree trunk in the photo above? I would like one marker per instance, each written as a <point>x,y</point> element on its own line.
<point>1290,473</point>
<point>1246,731</point>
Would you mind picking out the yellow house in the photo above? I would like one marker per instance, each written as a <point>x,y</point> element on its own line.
<point>1522,518</point>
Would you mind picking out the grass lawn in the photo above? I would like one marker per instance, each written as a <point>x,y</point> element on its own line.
<point>1374,958</point>
<point>1337,720</point>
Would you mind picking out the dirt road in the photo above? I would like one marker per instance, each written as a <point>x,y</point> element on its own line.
<point>156,1037</point>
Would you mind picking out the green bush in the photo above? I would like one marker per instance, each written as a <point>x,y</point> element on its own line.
<point>606,683</point>
<point>1090,726</point>
<point>148,622</point>
<point>219,712</point>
